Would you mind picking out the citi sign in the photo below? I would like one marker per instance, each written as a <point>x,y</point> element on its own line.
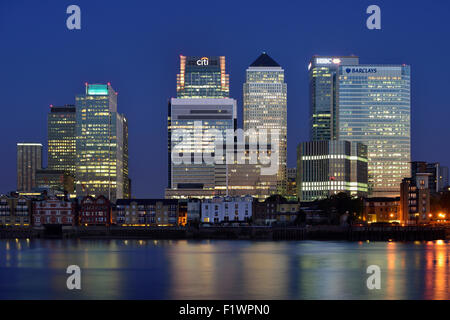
<point>203,61</point>
<point>361,70</point>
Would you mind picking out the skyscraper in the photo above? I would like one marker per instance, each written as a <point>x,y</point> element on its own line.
<point>198,179</point>
<point>101,144</point>
<point>61,138</point>
<point>374,105</point>
<point>29,159</point>
<point>202,77</point>
<point>325,168</point>
<point>323,78</point>
<point>265,106</point>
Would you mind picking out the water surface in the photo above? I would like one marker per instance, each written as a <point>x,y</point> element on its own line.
<point>184,269</point>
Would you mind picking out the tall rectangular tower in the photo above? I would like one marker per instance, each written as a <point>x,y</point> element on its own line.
<point>265,106</point>
<point>322,95</point>
<point>202,77</point>
<point>374,107</point>
<point>61,138</point>
<point>29,159</point>
<point>101,162</point>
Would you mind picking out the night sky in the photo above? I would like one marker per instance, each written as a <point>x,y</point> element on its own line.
<point>135,45</point>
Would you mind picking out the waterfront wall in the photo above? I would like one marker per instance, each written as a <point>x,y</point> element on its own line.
<point>374,233</point>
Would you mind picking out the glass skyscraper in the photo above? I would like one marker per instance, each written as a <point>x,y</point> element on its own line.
<point>61,138</point>
<point>101,144</point>
<point>202,99</point>
<point>265,106</point>
<point>322,95</point>
<point>374,105</point>
<point>202,77</point>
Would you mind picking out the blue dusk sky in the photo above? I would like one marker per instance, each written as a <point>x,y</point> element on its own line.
<point>135,45</point>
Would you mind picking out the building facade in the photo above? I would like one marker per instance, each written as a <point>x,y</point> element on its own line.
<point>438,175</point>
<point>202,77</point>
<point>61,138</point>
<point>95,211</point>
<point>15,210</point>
<point>382,210</point>
<point>330,167</point>
<point>323,78</point>
<point>374,106</point>
<point>275,210</point>
<point>415,199</point>
<point>227,210</point>
<point>54,211</point>
<point>58,180</point>
<point>190,175</point>
<point>101,144</point>
<point>146,212</point>
<point>265,106</point>
<point>29,159</point>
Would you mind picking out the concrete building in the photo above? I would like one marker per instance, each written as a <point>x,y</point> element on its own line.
<point>330,167</point>
<point>227,210</point>
<point>29,159</point>
<point>438,175</point>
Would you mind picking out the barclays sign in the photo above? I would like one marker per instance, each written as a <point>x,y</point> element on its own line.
<point>361,70</point>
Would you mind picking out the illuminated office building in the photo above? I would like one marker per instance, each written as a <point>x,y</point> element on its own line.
<point>198,179</point>
<point>61,138</point>
<point>323,78</point>
<point>265,106</point>
<point>374,105</point>
<point>326,168</point>
<point>202,77</point>
<point>101,144</point>
<point>29,159</point>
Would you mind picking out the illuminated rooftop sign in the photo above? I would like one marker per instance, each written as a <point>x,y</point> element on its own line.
<point>97,89</point>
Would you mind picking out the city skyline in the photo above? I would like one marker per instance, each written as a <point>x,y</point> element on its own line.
<point>144,106</point>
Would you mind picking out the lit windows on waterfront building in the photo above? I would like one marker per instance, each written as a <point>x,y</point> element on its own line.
<point>227,210</point>
<point>323,78</point>
<point>101,144</point>
<point>325,168</point>
<point>374,105</point>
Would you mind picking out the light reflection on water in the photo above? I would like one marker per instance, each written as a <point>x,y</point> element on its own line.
<point>166,269</point>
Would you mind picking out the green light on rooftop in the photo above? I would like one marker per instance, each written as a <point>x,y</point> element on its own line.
<point>97,89</point>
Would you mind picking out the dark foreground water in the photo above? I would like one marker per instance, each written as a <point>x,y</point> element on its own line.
<point>150,269</point>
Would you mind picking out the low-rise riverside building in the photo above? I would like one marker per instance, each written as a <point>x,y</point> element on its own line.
<point>275,209</point>
<point>382,209</point>
<point>95,211</point>
<point>54,211</point>
<point>15,210</point>
<point>227,210</point>
<point>415,199</point>
<point>146,212</point>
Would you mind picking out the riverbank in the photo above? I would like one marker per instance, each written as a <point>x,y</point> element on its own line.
<point>372,233</point>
